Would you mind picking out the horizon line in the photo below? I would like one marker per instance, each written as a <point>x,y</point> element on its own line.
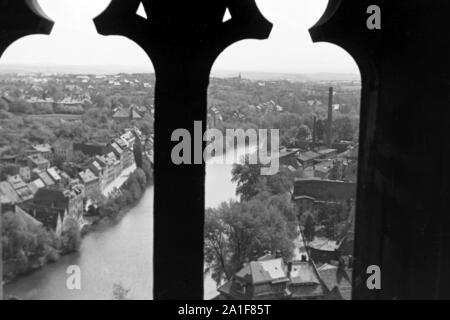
<point>150,69</point>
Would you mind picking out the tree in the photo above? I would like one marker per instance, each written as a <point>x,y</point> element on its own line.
<point>250,182</point>
<point>79,157</point>
<point>5,115</point>
<point>8,170</point>
<point>320,130</point>
<point>236,231</point>
<point>303,133</point>
<point>137,150</point>
<point>280,183</point>
<point>100,101</point>
<point>71,237</point>
<point>343,128</point>
<point>216,247</point>
<point>247,178</point>
<point>21,106</point>
<point>25,244</point>
<point>330,215</point>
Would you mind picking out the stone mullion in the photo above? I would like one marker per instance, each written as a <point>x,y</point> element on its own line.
<point>183,51</point>
<point>181,99</point>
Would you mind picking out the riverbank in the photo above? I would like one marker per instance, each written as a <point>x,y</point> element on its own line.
<point>116,254</point>
<point>53,249</point>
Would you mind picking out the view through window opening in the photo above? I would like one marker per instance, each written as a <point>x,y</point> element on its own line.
<point>76,159</point>
<point>299,221</point>
<point>289,235</point>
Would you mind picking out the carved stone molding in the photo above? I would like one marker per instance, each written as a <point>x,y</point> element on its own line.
<point>20,18</point>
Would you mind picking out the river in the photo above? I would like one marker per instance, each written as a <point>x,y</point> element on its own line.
<point>121,254</point>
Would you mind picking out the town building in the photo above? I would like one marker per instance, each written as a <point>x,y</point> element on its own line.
<point>327,190</point>
<point>269,278</point>
<point>289,158</point>
<point>307,159</point>
<point>108,170</point>
<point>99,169</point>
<point>305,282</point>
<point>54,175</point>
<point>20,187</point>
<point>36,185</point>
<point>316,192</point>
<point>327,153</point>
<point>63,150</point>
<point>323,169</point>
<point>114,162</point>
<point>58,201</point>
<point>338,281</point>
<point>43,176</point>
<point>8,194</point>
<point>91,183</point>
<point>305,204</point>
<point>119,154</point>
<point>124,114</point>
<point>51,217</point>
<point>45,150</point>
<point>37,161</point>
<point>258,280</point>
<point>323,250</point>
<point>91,149</point>
<point>127,156</point>
<point>25,173</point>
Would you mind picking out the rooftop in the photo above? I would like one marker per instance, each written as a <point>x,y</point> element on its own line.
<point>303,273</point>
<point>53,173</point>
<point>333,278</point>
<point>37,159</point>
<point>45,177</point>
<point>43,148</point>
<point>326,151</point>
<point>323,244</point>
<point>87,176</point>
<point>36,185</point>
<point>327,190</point>
<point>257,272</point>
<point>308,155</point>
<point>8,192</point>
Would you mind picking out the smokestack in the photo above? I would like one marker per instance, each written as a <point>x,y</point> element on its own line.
<point>330,118</point>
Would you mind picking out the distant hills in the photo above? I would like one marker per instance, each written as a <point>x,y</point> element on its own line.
<point>114,69</point>
<point>298,77</point>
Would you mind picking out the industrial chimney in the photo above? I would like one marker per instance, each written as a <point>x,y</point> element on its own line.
<point>330,118</point>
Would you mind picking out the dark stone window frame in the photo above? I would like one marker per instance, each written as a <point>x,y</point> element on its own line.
<point>403,197</point>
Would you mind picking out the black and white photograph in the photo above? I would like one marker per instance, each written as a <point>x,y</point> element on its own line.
<point>224,150</point>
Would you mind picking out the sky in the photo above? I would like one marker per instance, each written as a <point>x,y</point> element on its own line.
<point>289,49</point>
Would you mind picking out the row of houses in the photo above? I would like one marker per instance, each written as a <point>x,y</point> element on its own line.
<point>50,194</point>
<point>270,278</point>
<point>325,163</point>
